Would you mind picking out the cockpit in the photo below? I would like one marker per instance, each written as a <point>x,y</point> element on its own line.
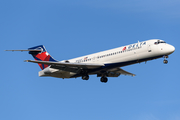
<point>159,42</point>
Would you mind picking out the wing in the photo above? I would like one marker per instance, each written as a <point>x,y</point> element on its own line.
<point>69,65</point>
<point>76,67</point>
<point>121,71</point>
<point>116,72</point>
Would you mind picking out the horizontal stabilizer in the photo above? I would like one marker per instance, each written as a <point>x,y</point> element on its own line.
<point>33,50</point>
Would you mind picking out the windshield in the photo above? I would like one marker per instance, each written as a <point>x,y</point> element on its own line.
<point>158,42</point>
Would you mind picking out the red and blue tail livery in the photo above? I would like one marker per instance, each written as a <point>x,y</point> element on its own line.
<point>41,55</point>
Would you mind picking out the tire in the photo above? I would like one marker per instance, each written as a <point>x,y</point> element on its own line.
<point>165,61</point>
<point>104,79</point>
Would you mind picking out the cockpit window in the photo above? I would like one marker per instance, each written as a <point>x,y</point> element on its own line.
<point>162,42</point>
<point>158,42</point>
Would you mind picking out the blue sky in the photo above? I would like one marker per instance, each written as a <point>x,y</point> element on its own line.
<point>71,29</point>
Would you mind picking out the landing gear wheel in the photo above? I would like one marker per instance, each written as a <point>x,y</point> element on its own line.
<point>165,61</point>
<point>85,77</point>
<point>104,79</point>
<point>165,57</point>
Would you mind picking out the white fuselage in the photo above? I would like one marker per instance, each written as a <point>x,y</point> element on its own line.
<point>137,51</point>
<point>118,57</point>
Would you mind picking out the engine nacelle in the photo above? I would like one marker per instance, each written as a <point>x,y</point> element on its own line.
<point>47,71</point>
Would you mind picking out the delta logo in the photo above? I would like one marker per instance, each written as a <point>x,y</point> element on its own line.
<point>124,49</point>
<point>134,46</point>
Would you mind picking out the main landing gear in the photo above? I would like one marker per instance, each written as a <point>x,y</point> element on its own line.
<point>165,61</point>
<point>85,77</point>
<point>104,79</point>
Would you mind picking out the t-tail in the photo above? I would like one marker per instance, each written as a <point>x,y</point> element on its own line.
<point>40,54</point>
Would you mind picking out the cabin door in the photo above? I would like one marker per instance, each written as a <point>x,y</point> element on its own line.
<point>149,48</point>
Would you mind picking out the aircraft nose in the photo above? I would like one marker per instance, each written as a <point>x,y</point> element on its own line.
<point>171,48</point>
<point>167,49</point>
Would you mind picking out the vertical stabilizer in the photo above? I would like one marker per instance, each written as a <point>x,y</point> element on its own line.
<point>42,55</point>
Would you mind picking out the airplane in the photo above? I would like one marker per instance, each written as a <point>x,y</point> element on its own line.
<point>104,64</point>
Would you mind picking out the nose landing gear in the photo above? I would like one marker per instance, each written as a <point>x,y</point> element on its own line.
<point>165,61</point>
